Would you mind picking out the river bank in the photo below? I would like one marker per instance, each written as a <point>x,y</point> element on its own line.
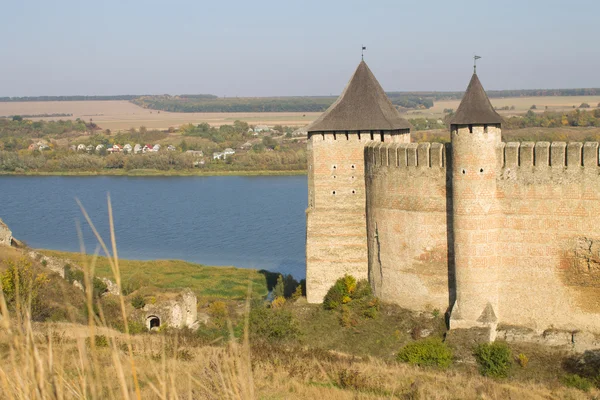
<point>155,172</point>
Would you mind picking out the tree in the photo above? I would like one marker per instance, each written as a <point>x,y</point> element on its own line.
<point>533,107</point>
<point>584,105</point>
<point>17,118</point>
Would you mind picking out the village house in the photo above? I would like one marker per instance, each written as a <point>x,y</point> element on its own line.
<point>170,148</point>
<point>156,148</point>
<point>137,148</point>
<point>81,147</point>
<point>228,152</point>
<point>99,147</point>
<point>115,149</point>
<point>218,156</point>
<point>195,153</point>
<point>89,148</point>
<point>261,128</point>
<point>127,148</point>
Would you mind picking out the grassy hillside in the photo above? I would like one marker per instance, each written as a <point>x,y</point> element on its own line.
<point>205,281</point>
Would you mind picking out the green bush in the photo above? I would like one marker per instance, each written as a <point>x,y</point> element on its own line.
<point>99,287</point>
<point>272,323</point>
<point>577,382</point>
<point>353,299</point>
<point>340,293</point>
<point>430,352</point>
<point>73,274</point>
<point>494,359</point>
<point>138,302</point>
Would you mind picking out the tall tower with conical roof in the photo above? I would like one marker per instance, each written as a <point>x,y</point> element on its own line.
<point>476,138</point>
<point>336,237</point>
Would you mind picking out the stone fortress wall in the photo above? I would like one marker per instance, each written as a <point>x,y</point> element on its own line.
<point>407,230</point>
<point>545,234</point>
<point>495,234</point>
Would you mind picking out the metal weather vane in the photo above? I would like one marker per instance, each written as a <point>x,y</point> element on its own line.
<point>362,52</point>
<point>475,58</point>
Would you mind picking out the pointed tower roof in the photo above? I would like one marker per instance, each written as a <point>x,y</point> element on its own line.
<point>362,106</point>
<point>475,107</point>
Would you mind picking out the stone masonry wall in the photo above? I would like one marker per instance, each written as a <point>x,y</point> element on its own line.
<point>407,213</point>
<point>336,238</point>
<point>550,235</point>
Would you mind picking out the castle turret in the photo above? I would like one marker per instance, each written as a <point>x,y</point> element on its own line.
<point>336,237</point>
<point>476,138</point>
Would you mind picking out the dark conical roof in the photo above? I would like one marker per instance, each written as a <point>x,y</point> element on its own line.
<point>362,106</point>
<point>475,107</point>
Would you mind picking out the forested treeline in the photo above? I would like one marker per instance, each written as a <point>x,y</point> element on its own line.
<point>67,98</point>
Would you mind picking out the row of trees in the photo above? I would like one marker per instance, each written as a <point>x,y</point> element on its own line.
<point>286,159</point>
<point>551,119</point>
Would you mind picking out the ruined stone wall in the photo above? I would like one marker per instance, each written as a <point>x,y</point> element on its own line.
<point>407,213</point>
<point>549,239</point>
<point>5,235</point>
<point>336,238</point>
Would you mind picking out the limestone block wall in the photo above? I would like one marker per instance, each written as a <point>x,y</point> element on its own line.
<point>407,214</point>
<point>336,239</point>
<point>549,240</point>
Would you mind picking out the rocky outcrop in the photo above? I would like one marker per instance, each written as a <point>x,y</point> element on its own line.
<point>5,235</point>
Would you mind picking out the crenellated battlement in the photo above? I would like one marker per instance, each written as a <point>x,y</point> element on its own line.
<point>405,155</point>
<point>547,154</point>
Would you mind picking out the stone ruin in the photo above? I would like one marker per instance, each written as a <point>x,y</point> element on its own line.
<point>6,238</point>
<point>178,312</point>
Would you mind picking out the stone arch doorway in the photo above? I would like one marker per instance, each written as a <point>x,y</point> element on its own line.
<point>152,322</point>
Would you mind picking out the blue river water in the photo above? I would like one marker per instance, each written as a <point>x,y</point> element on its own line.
<point>247,222</point>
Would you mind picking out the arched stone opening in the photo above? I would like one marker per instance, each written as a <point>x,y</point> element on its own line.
<point>152,322</point>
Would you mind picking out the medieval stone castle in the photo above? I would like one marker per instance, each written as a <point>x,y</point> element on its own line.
<point>494,233</point>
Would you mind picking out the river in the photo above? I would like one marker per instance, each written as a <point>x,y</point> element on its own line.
<point>247,222</point>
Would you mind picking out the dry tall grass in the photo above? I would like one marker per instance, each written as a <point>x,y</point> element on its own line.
<point>68,361</point>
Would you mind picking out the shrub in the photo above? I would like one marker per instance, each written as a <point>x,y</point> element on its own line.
<point>99,287</point>
<point>494,359</point>
<point>272,324</point>
<point>138,302</point>
<point>523,360</point>
<point>73,274</point>
<point>533,107</point>
<point>584,105</point>
<point>577,382</point>
<point>218,312</point>
<point>340,292</point>
<point>21,281</point>
<point>278,302</point>
<point>428,352</point>
<point>353,299</point>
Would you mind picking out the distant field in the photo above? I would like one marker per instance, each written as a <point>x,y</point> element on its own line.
<point>122,115</point>
<point>522,105</point>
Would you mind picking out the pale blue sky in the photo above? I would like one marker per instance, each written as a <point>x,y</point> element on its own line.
<point>263,48</point>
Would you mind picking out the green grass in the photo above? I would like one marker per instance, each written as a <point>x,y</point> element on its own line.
<point>205,281</point>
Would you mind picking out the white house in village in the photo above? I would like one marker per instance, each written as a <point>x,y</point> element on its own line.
<point>137,148</point>
<point>89,148</point>
<point>81,147</point>
<point>228,152</point>
<point>195,153</point>
<point>171,148</point>
<point>218,156</point>
<point>99,147</point>
<point>127,148</point>
<point>261,128</point>
<point>156,148</point>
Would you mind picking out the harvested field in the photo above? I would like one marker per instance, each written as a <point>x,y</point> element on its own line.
<point>521,104</point>
<point>122,115</point>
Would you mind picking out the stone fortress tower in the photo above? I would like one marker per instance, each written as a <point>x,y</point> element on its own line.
<point>495,234</point>
<point>475,137</point>
<point>336,239</point>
